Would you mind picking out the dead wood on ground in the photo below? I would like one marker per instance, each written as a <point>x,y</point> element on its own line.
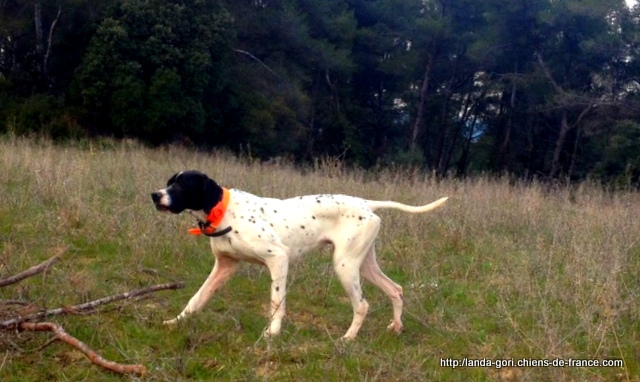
<point>24,322</point>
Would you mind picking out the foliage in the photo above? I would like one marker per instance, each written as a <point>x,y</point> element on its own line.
<point>152,66</point>
<point>531,88</point>
<point>620,164</point>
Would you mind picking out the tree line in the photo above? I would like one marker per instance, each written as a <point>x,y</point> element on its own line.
<point>533,88</point>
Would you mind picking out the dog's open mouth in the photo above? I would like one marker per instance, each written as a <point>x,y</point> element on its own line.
<point>162,208</point>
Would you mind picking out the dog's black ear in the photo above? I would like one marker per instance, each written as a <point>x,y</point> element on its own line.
<point>211,194</point>
<point>173,178</point>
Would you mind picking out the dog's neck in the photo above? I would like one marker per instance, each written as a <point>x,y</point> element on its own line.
<point>208,222</point>
<point>200,215</point>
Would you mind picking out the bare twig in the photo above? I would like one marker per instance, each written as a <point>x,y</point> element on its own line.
<point>263,65</point>
<point>14,302</point>
<point>94,357</point>
<point>88,306</point>
<point>34,270</point>
<point>4,360</point>
<point>43,346</point>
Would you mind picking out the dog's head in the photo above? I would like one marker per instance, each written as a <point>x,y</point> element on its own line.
<point>188,190</point>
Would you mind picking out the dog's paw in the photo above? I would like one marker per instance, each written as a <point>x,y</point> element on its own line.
<point>274,329</point>
<point>347,338</point>
<point>267,333</point>
<point>395,327</point>
<point>170,322</point>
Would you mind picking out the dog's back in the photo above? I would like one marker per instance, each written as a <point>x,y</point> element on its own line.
<point>302,223</point>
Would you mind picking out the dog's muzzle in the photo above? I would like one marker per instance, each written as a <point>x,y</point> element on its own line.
<point>160,200</point>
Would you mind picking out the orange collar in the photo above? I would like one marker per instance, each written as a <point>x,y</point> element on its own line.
<point>214,218</point>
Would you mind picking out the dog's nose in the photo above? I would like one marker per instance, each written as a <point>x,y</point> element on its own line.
<point>155,196</point>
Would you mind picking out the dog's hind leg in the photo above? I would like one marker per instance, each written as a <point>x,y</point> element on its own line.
<point>351,282</point>
<point>347,259</point>
<point>223,269</point>
<point>371,271</point>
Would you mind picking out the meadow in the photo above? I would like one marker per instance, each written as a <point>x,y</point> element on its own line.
<point>505,270</point>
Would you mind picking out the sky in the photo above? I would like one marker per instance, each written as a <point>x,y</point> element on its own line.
<point>630,3</point>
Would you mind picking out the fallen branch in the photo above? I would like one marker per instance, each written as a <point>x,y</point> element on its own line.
<point>21,322</point>
<point>14,302</point>
<point>87,306</point>
<point>34,270</point>
<point>94,357</point>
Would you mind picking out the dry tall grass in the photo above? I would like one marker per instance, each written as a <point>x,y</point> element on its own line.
<point>503,270</point>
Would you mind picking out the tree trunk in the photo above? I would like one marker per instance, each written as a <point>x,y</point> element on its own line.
<point>562,137</point>
<point>466,149</point>
<point>506,143</point>
<point>37,20</point>
<point>574,153</point>
<point>564,124</point>
<point>37,16</point>
<point>44,54</point>
<point>438,162</point>
<point>565,127</point>
<point>417,126</point>
<point>47,55</point>
<point>462,121</point>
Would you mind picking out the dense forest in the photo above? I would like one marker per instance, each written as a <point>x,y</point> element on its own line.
<point>533,88</point>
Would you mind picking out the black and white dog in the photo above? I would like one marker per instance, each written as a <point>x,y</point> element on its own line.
<point>273,232</point>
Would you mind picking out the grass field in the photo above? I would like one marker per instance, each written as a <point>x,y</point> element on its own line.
<point>504,270</point>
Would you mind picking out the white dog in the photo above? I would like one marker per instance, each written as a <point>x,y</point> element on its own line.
<point>273,232</point>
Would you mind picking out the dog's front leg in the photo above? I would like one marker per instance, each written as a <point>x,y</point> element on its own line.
<point>278,267</point>
<point>223,269</point>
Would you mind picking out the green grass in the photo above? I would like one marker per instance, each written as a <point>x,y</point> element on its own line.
<point>502,271</point>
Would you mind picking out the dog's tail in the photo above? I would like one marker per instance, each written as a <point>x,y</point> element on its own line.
<point>375,204</point>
